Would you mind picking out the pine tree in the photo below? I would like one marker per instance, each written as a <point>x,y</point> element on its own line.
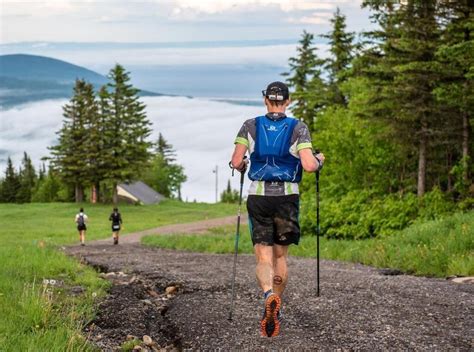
<point>456,90</point>
<point>27,179</point>
<point>404,75</point>
<point>165,149</point>
<point>94,142</point>
<point>10,184</point>
<point>308,89</point>
<point>69,156</point>
<point>42,172</point>
<point>126,132</point>
<point>342,53</point>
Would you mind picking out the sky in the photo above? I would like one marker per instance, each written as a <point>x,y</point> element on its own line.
<point>169,20</point>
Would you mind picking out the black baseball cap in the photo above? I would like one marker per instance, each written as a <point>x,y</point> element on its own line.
<point>276,91</point>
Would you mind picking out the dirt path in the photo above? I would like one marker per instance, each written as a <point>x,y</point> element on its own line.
<point>192,227</point>
<point>359,308</point>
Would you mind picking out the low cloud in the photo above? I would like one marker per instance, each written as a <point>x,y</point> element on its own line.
<point>201,131</point>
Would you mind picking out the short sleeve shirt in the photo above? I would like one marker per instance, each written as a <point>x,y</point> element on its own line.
<point>84,215</point>
<point>300,139</point>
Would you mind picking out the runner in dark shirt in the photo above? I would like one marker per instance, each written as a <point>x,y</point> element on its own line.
<point>116,219</point>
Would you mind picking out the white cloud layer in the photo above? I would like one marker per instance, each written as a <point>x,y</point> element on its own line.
<point>200,130</point>
<point>218,6</point>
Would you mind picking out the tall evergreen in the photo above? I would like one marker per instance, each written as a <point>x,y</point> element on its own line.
<point>305,81</point>
<point>10,184</point>
<point>127,130</point>
<point>404,75</point>
<point>456,90</point>
<point>165,149</point>
<point>342,53</point>
<point>27,180</point>
<point>94,142</point>
<point>70,155</point>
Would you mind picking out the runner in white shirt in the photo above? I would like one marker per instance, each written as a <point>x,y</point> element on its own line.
<point>81,220</point>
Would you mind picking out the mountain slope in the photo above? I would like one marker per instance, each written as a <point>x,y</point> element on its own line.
<point>40,68</point>
<point>30,78</point>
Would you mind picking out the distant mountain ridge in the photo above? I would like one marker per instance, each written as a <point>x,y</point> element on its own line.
<point>41,68</point>
<point>28,78</point>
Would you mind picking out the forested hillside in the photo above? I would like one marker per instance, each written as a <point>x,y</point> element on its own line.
<point>392,111</point>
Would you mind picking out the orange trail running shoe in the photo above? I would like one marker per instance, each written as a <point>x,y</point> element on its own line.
<point>270,324</point>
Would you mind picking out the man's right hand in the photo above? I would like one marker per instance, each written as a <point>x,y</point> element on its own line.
<point>319,158</point>
<point>243,165</point>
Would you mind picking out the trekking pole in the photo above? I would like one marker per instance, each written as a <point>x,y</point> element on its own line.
<point>237,235</point>
<point>318,229</point>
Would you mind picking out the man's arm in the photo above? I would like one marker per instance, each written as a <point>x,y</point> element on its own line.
<point>309,162</point>
<point>238,156</point>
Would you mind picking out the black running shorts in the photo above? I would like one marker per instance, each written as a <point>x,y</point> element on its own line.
<point>274,219</point>
<point>81,227</point>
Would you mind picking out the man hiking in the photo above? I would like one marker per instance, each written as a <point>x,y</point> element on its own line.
<point>116,219</point>
<point>81,219</point>
<point>280,148</point>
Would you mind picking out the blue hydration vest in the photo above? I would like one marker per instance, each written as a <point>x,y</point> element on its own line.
<point>271,160</point>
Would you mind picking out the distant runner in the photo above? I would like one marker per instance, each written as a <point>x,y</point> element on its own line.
<point>116,219</point>
<point>81,220</point>
<point>280,148</point>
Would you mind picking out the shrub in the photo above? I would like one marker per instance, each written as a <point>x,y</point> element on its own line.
<point>364,214</point>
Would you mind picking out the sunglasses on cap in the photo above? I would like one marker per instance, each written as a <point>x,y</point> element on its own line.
<point>274,94</point>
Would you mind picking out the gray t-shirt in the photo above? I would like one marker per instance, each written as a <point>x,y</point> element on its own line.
<point>300,139</point>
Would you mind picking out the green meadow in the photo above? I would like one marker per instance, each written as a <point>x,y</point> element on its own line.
<point>435,248</point>
<point>39,315</point>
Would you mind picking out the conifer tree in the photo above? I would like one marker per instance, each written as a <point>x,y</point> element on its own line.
<point>165,149</point>
<point>27,180</point>
<point>126,131</point>
<point>404,76</point>
<point>94,142</point>
<point>69,156</point>
<point>10,184</point>
<point>305,81</point>
<point>456,90</point>
<point>342,53</point>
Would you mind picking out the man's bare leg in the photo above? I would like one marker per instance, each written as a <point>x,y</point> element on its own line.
<point>115,236</point>
<point>264,271</point>
<point>280,268</point>
<point>269,325</point>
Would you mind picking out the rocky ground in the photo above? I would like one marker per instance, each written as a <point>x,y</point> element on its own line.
<point>180,301</point>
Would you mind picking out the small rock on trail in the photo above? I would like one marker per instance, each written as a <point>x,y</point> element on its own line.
<point>359,308</point>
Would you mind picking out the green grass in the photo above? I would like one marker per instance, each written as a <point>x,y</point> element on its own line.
<point>37,317</point>
<point>435,248</point>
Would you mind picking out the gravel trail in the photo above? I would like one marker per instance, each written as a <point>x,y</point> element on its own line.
<point>359,307</point>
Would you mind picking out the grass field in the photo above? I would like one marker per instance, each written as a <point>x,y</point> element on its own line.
<point>436,248</point>
<point>37,315</point>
